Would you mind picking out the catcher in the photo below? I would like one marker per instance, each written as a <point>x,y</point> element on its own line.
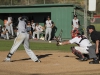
<point>83,44</point>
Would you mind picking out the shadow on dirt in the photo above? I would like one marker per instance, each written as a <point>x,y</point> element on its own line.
<point>43,56</point>
<point>39,56</point>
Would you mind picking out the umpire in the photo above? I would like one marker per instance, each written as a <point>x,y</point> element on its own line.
<point>95,37</point>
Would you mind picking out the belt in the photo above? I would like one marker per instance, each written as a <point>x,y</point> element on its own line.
<point>89,46</point>
<point>23,32</point>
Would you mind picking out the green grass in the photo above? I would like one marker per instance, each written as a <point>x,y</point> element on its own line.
<point>5,45</point>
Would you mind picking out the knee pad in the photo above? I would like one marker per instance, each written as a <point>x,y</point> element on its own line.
<point>75,52</point>
<point>73,49</point>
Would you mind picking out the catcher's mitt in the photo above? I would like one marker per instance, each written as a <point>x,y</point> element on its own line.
<point>57,40</point>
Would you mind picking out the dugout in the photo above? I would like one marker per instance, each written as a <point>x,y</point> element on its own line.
<point>61,14</point>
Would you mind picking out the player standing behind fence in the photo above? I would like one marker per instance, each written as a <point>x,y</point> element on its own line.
<point>49,24</point>
<point>75,23</point>
<point>33,25</point>
<point>11,26</point>
<point>7,25</point>
<point>22,37</point>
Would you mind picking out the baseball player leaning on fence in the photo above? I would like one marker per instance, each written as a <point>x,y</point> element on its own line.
<point>22,37</point>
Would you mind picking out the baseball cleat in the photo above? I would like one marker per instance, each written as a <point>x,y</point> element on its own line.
<point>37,61</point>
<point>49,41</point>
<point>7,60</point>
<point>94,62</point>
<point>83,59</point>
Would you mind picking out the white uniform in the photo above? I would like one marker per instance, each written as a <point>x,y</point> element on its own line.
<point>33,26</point>
<point>11,27</point>
<point>6,35</point>
<point>38,31</point>
<point>75,23</point>
<point>82,45</point>
<point>22,37</point>
<point>8,27</point>
<point>48,29</point>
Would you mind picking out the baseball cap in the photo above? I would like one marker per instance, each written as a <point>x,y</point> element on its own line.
<point>75,15</point>
<point>48,16</point>
<point>91,27</point>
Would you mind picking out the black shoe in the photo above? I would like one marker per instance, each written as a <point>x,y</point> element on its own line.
<point>37,61</point>
<point>94,62</point>
<point>84,59</point>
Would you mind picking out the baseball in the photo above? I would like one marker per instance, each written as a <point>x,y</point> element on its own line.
<point>49,41</point>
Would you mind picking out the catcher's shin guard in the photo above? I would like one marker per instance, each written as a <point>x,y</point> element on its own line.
<point>77,53</point>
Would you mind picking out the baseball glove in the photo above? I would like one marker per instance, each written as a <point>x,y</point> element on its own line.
<point>57,40</point>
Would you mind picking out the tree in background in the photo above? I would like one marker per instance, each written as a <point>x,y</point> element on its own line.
<point>5,2</point>
<point>98,7</point>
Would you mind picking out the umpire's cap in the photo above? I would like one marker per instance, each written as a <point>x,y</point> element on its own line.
<point>90,27</point>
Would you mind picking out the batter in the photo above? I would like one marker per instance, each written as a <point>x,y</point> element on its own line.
<point>22,37</point>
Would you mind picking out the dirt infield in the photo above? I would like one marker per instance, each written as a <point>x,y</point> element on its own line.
<point>53,63</point>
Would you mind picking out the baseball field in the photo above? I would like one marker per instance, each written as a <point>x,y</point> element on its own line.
<point>54,60</point>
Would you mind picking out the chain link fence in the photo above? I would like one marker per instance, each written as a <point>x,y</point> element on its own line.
<point>32,2</point>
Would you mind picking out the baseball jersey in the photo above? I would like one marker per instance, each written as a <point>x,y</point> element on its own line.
<point>75,23</point>
<point>7,26</point>
<point>83,43</point>
<point>33,26</point>
<point>5,22</point>
<point>3,29</point>
<point>49,23</point>
<point>28,28</point>
<point>39,28</point>
<point>9,19</point>
<point>22,26</point>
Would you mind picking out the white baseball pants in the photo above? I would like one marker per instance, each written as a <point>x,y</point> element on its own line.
<point>23,38</point>
<point>83,50</point>
<point>11,29</point>
<point>38,34</point>
<point>48,31</point>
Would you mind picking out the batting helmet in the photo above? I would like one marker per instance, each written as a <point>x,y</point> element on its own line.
<point>25,18</point>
